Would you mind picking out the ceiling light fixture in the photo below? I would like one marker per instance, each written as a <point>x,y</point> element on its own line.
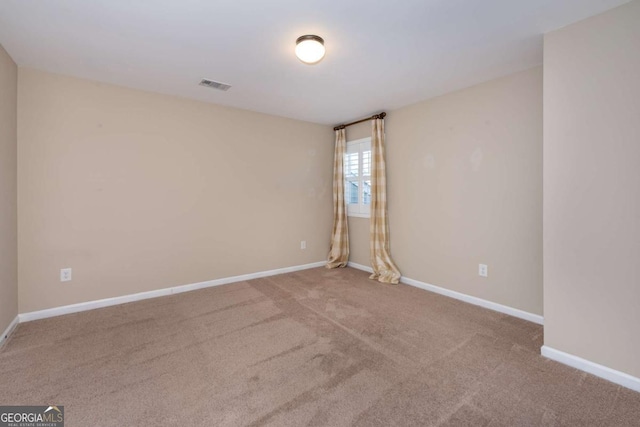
<point>310,49</point>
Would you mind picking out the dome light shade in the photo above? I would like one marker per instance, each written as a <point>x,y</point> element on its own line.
<point>310,49</point>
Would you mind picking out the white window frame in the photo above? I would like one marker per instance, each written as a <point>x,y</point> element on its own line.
<point>360,209</point>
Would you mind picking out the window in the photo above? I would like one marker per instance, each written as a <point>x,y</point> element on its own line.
<point>357,177</point>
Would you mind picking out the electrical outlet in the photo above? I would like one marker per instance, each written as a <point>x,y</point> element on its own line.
<point>483,270</point>
<point>303,244</point>
<point>65,275</point>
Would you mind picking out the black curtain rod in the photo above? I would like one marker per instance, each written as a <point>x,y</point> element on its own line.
<point>375,116</point>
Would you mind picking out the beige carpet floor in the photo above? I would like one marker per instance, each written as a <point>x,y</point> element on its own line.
<point>318,347</point>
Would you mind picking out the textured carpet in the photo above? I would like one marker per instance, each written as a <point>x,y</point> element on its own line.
<point>317,347</point>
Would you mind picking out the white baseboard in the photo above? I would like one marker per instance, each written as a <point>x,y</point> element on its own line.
<point>535,318</point>
<point>92,305</point>
<point>596,369</point>
<point>7,332</point>
<point>360,267</point>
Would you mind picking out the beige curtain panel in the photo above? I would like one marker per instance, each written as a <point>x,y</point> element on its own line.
<point>339,251</point>
<point>384,269</point>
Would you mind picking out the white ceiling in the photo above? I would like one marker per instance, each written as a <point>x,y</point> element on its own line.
<point>380,55</point>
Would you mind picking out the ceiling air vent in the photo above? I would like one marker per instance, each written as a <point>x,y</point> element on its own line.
<point>214,85</point>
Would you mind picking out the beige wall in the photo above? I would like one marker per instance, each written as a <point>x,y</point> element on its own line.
<point>8,196</point>
<point>465,187</point>
<point>138,191</point>
<point>592,189</point>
